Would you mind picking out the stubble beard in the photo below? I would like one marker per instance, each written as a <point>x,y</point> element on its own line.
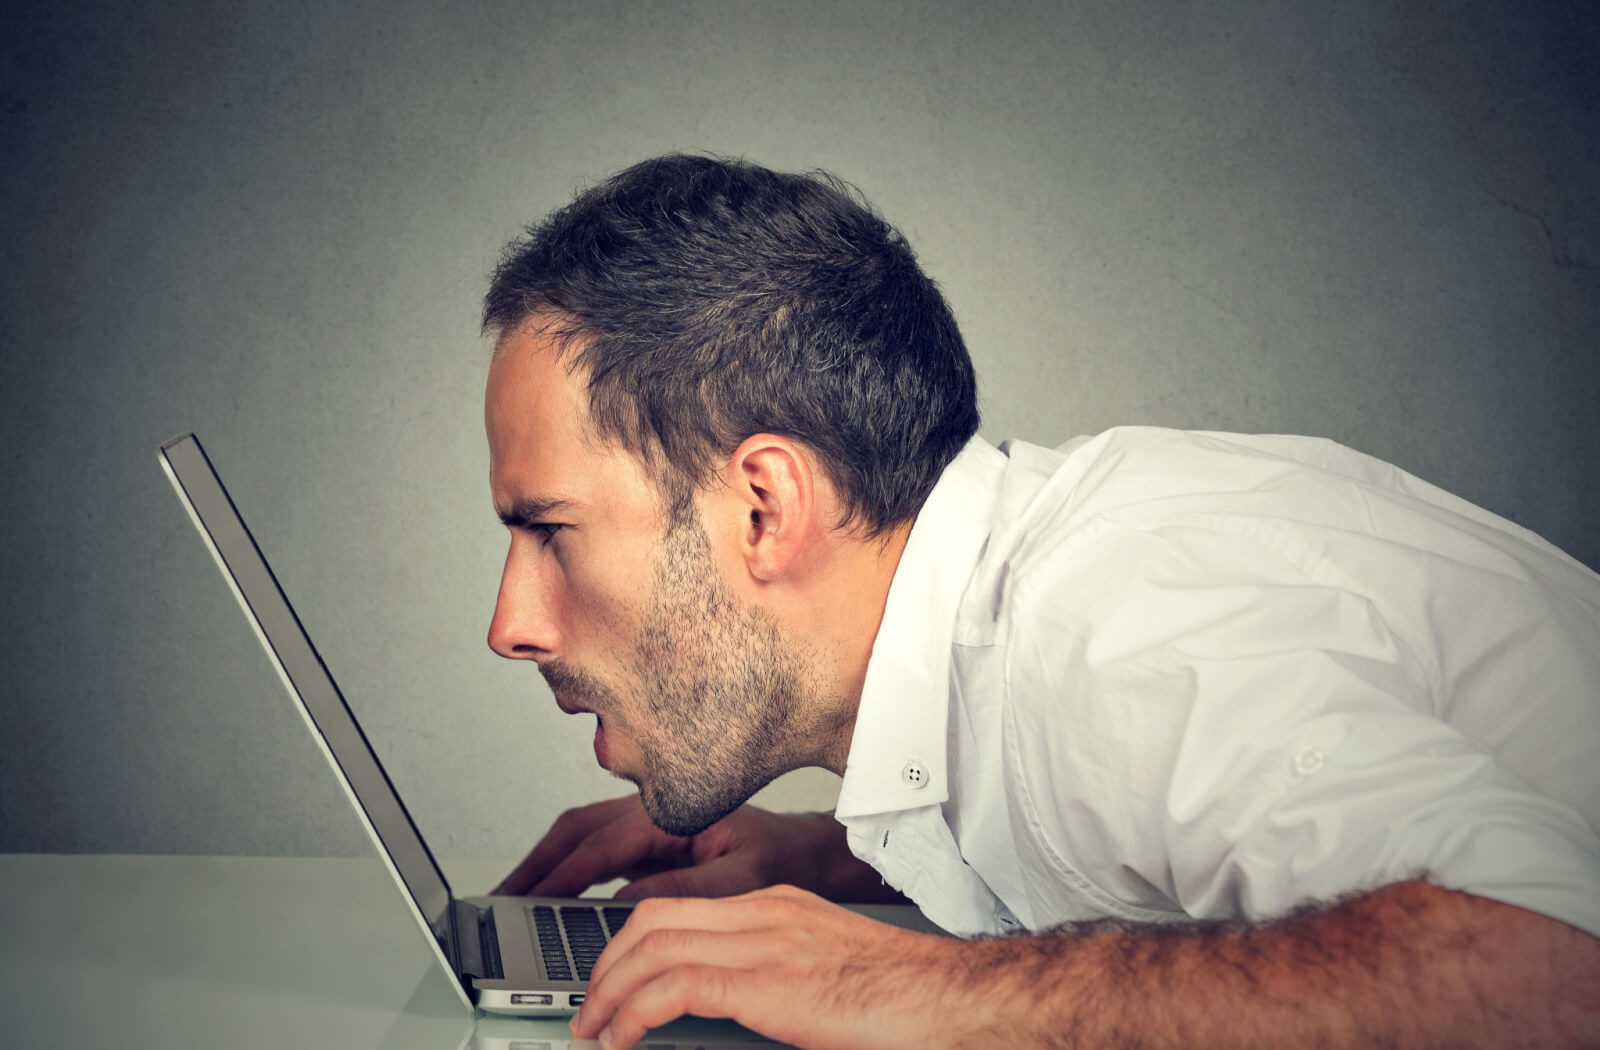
<point>722,686</point>
<point>720,695</point>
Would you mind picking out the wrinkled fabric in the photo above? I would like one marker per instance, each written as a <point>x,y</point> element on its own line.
<point>1161,675</point>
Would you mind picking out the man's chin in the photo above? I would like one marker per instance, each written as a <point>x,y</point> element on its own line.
<point>676,816</point>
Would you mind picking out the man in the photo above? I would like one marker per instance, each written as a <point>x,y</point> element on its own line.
<point>1219,740</point>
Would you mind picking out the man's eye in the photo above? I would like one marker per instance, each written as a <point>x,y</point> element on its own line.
<point>544,531</point>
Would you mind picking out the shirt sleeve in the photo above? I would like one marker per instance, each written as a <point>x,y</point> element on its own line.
<point>1198,726</point>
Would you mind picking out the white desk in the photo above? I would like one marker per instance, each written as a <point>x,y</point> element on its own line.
<point>129,952</point>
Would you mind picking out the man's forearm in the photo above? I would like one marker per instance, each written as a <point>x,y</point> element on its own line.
<point>1408,965</point>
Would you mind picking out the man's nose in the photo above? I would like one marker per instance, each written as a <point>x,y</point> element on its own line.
<point>523,627</point>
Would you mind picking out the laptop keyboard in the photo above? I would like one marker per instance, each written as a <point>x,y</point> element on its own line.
<point>571,937</point>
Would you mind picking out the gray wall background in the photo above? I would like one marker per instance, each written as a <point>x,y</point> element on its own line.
<point>271,222</point>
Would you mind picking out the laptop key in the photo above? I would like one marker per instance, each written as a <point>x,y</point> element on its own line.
<point>557,964</point>
<point>615,917</point>
<point>585,938</point>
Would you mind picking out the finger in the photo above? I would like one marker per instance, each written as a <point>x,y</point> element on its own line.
<point>759,911</point>
<point>704,991</point>
<point>723,877</point>
<point>657,864</point>
<point>686,957</point>
<point>569,829</point>
<point>610,851</point>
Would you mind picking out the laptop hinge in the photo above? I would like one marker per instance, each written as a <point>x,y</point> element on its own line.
<point>444,931</point>
<point>477,950</point>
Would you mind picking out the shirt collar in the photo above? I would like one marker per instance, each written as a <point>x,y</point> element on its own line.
<point>902,721</point>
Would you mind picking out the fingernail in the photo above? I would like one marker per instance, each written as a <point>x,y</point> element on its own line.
<point>605,1037</point>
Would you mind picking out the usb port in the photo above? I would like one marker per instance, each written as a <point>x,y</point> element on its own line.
<point>576,998</point>
<point>532,999</point>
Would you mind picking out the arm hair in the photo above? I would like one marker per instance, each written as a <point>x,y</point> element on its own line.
<point>1408,965</point>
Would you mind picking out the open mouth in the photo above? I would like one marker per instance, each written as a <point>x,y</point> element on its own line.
<point>569,707</point>
<point>602,753</point>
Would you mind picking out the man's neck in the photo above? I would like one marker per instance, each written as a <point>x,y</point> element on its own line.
<point>848,619</point>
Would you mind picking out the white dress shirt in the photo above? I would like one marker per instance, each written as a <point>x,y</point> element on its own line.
<point>1159,675</point>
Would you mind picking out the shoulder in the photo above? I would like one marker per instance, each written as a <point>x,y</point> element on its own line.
<point>1097,538</point>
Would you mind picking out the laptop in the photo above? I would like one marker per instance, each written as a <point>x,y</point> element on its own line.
<point>508,955</point>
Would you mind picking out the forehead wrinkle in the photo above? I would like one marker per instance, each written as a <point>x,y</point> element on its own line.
<point>543,351</point>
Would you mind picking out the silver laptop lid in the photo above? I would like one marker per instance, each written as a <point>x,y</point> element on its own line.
<point>309,682</point>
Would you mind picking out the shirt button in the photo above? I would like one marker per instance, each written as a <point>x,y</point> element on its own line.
<point>1307,760</point>
<point>914,774</point>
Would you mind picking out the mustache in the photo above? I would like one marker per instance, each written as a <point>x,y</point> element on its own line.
<point>574,684</point>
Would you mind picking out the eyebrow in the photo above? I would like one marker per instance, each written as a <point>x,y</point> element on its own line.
<point>530,509</point>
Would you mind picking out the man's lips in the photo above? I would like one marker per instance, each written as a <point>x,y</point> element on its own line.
<point>602,752</point>
<point>571,708</point>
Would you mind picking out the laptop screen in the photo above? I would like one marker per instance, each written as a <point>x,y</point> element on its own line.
<point>302,670</point>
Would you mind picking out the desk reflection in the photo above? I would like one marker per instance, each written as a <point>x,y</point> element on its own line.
<point>158,952</point>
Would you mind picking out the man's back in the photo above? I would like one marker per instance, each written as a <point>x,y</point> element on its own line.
<point>1221,675</point>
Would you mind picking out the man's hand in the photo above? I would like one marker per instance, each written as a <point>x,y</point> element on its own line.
<point>783,962</point>
<point>1409,965</point>
<point>747,850</point>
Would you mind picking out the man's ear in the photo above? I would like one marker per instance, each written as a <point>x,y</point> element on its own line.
<point>772,480</point>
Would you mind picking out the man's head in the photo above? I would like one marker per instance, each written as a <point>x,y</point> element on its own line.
<point>706,300</point>
<point>719,397</point>
<point>634,612</point>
